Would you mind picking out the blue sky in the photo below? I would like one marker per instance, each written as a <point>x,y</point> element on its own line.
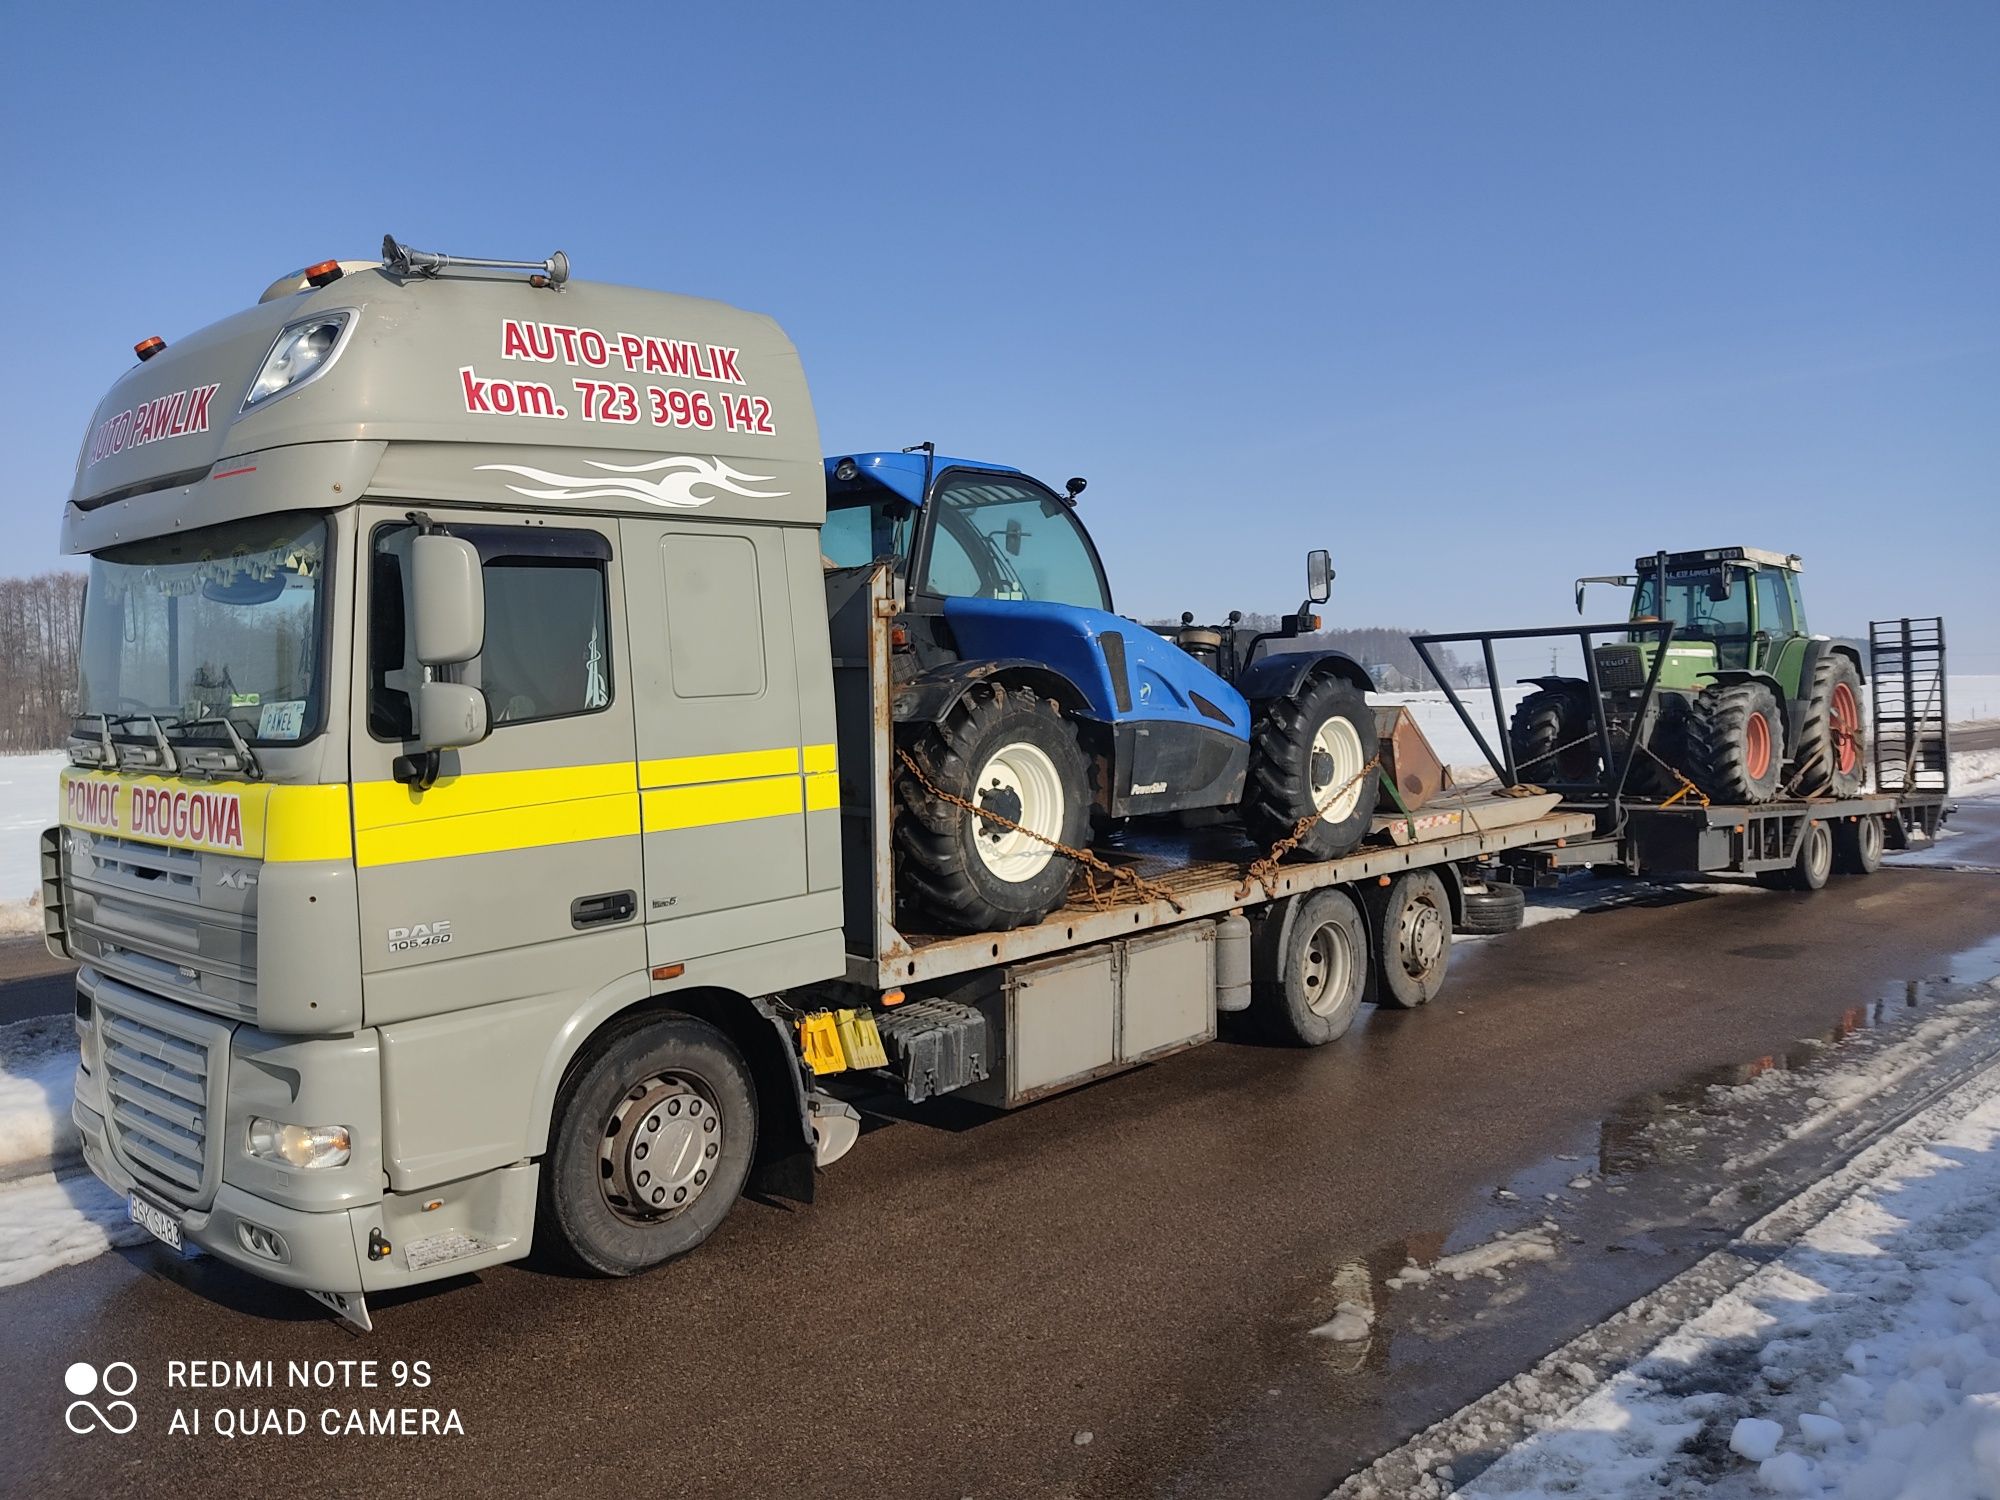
<point>1481,297</point>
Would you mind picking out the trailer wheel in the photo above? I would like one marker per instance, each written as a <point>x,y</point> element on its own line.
<point>1409,928</point>
<point>1832,750</point>
<point>1736,742</point>
<point>1494,909</point>
<point>653,1138</point>
<point>1545,729</point>
<point>1307,752</point>
<point>1311,969</point>
<point>1810,870</point>
<point>1005,749</point>
<point>1857,846</point>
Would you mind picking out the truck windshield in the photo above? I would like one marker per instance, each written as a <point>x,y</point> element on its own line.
<point>218,623</point>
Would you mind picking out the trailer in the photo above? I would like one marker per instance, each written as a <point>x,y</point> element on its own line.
<point>1790,842</point>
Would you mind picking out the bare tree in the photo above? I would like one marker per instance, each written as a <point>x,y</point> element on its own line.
<point>39,642</point>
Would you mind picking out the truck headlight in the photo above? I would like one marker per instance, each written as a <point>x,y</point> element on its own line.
<point>305,1146</point>
<point>303,350</point>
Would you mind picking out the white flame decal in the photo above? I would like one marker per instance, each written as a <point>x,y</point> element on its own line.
<point>673,490</point>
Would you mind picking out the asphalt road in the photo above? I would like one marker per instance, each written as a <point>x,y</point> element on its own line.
<point>973,1294</point>
<point>31,982</point>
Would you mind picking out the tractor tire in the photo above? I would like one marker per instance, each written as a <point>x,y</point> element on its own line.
<point>1736,742</point>
<point>1494,909</point>
<point>1810,870</point>
<point>1543,730</point>
<point>1857,846</point>
<point>1831,757</point>
<point>1005,749</point>
<point>1307,754</point>
<point>1409,938</point>
<point>1668,743</point>
<point>655,1129</point>
<point>1310,968</point>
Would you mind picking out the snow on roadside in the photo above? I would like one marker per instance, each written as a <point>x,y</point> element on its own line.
<point>1863,1363</point>
<point>27,806</point>
<point>37,1077</point>
<point>48,1222</point>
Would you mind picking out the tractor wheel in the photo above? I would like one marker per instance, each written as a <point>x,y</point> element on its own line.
<point>1815,862</point>
<point>1857,846</point>
<point>1736,742</point>
<point>1544,731</point>
<point>1409,936</point>
<point>1668,742</point>
<point>1307,754</point>
<point>1831,756</point>
<point>1003,749</point>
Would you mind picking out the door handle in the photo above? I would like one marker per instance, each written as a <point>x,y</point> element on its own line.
<point>603,909</point>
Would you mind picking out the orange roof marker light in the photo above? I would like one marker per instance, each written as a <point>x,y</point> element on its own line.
<point>325,273</point>
<point>147,348</point>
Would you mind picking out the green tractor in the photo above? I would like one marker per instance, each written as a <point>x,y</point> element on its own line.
<point>1749,705</point>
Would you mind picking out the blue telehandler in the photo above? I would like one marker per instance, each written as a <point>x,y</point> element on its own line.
<point>1019,692</point>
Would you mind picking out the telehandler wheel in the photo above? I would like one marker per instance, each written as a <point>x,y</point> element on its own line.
<point>1831,757</point>
<point>1494,909</point>
<point>1311,966</point>
<point>1307,752</point>
<point>1857,846</point>
<point>1810,870</point>
<point>1736,742</point>
<point>1004,749</point>
<point>1545,729</point>
<point>653,1137</point>
<point>1409,932</point>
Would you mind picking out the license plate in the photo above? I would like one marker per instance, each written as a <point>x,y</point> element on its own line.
<point>160,1223</point>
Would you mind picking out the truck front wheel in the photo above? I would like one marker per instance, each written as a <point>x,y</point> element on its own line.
<point>653,1138</point>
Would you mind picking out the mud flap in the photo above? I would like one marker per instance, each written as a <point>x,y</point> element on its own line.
<point>350,1307</point>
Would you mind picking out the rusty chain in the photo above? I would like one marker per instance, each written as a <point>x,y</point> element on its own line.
<point>1264,870</point>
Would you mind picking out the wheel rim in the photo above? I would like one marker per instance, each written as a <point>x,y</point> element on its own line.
<point>1844,719</point>
<point>1326,969</point>
<point>1420,935</point>
<point>659,1148</point>
<point>1756,746</point>
<point>1018,782</point>
<point>1335,770</point>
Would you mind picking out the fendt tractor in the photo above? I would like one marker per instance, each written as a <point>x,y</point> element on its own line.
<point>507,808</point>
<point>1748,704</point>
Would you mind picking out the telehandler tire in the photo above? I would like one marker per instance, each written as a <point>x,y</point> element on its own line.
<point>1409,937</point>
<point>1545,729</point>
<point>1857,846</point>
<point>1736,742</point>
<point>1310,969</point>
<point>1831,757</point>
<point>1307,754</point>
<point>654,1133</point>
<point>1007,750</point>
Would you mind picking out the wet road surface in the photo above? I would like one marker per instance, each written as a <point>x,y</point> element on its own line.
<point>1141,1262</point>
<point>31,982</point>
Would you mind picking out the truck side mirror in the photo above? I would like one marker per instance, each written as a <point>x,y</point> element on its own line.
<point>1319,575</point>
<point>448,599</point>
<point>450,714</point>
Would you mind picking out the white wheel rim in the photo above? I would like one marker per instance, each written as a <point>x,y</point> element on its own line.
<point>1335,771</point>
<point>1020,775</point>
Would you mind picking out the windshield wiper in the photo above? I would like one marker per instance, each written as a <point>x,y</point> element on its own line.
<point>212,760</point>
<point>105,753</point>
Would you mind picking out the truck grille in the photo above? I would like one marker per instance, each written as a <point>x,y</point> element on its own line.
<point>160,1076</point>
<point>1620,667</point>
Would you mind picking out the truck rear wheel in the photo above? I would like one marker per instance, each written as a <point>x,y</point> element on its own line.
<point>1409,931</point>
<point>1553,736</point>
<point>653,1138</point>
<point>1307,755</point>
<point>1311,969</point>
<point>1006,750</point>
<point>1831,755</point>
<point>1736,742</point>
<point>1857,846</point>
<point>1814,864</point>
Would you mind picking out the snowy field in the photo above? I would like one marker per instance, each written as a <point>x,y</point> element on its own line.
<point>27,806</point>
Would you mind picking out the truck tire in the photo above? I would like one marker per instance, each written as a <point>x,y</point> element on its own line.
<point>1857,846</point>
<point>1810,870</point>
<point>1736,742</point>
<point>1307,752</point>
<point>1831,757</point>
<point>1310,969</point>
<point>1543,731</point>
<point>1409,935</point>
<point>1494,909</point>
<point>1005,749</point>
<point>654,1133</point>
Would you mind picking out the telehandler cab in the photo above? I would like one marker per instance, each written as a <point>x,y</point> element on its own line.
<point>1749,706</point>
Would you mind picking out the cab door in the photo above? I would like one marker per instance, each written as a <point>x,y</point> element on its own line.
<point>518,872</point>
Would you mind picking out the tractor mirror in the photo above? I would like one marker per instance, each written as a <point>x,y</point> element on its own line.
<point>1721,587</point>
<point>1319,575</point>
<point>1013,538</point>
